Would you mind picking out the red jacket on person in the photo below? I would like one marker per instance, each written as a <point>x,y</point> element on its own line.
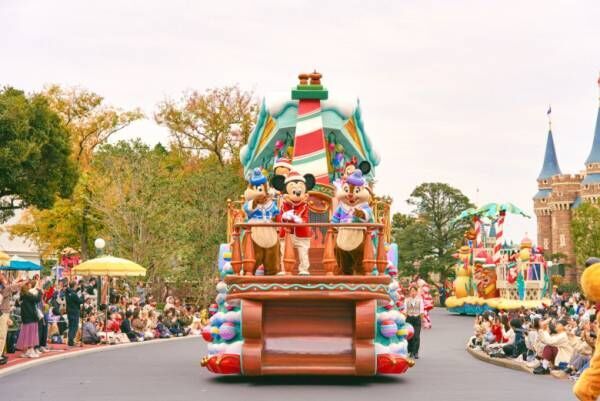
<point>300,209</point>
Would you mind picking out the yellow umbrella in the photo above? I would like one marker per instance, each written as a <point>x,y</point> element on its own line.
<point>109,266</point>
<point>4,259</point>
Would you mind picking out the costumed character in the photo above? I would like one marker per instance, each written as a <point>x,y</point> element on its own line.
<point>425,293</point>
<point>294,209</point>
<point>353,198</point>
<point>587,388</point>
<point>282,166</point>
<point>350,167</point>
<point>461,284</point>
<point>353,165</point>
<point>485,276</point>
<point>260,207</point>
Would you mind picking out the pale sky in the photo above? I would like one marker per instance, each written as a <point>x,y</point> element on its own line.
<point>451,91</point>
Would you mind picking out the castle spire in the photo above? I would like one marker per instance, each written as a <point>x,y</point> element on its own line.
<point>550,166</point>
<point>594,156</point>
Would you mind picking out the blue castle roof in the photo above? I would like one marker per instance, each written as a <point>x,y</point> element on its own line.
<point>594,156</point>
<point>550,166</point>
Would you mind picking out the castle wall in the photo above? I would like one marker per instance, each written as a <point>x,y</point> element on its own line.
<point>544,230</point>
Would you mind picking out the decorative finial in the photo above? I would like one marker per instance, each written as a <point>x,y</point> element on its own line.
<point>549,114</point>
<point>315,78</point>
<point>303,79</point>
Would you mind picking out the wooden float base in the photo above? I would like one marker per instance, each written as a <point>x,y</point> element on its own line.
<point>308,325</point>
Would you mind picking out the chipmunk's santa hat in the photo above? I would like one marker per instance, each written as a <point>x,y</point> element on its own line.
<point>283,162</point>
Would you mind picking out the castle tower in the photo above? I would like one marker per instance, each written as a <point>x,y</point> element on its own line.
<point>565,193</point>
<point>590,190</point>
<point>541,205</point>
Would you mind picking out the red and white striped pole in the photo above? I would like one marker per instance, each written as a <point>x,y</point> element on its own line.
<point>499,235</point>
<point>477,222</point>
<point>310,154</point>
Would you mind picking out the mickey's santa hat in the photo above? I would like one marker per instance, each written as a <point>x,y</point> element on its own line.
<point>294,176</point>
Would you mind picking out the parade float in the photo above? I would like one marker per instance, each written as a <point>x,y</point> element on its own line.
<point>492,274</point>
<point>308,273</point>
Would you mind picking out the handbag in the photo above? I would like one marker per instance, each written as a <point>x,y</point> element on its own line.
<point>40,314</point>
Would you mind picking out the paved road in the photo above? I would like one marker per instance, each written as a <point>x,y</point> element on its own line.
<point>170,372</point>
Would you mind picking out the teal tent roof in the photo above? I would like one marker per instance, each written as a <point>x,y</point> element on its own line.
<point>259,151</point>
<point>550,166</point>
<point>594,156</point>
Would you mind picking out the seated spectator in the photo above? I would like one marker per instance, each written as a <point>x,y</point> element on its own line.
<point>127,329</point>
<point>114,323</point>
<point>517,347</point>
<point>169,303</point>
<point>557,350</point>
<point>532,340</point>
<point>89,332</point>
<point>138,325</point>
<point>161,329</point>
<point>173,323</point>
<point>582,350</point>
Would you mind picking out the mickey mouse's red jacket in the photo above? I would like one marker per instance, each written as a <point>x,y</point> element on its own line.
<point>301,210</point>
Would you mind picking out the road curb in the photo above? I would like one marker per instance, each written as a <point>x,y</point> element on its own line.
<point>66,355</point>
<point>504,363</point>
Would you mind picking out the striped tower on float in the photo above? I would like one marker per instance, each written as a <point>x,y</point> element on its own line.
<point>310,154</point>
<point>477,222</point>
<point>499,236</point>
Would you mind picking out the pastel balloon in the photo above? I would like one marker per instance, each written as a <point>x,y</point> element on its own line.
<point>221,287</point>
<point>388,328</point>
<point>227,331</point>
<point>206,334</point>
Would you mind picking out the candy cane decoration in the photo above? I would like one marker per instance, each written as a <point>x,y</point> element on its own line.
<point>499,235</point>
<point>478,241</point>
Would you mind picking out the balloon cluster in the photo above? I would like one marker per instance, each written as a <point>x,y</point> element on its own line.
<point>223,333</point>
<point>225,267</point>
<point>393,332</point>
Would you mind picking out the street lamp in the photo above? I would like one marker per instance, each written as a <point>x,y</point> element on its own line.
<point>99,243</point>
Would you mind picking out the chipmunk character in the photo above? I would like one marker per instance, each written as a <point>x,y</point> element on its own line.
<point>282,166</point>
<point>353,198</point>
<point>260,207</point>
<point>294,209</point>
<point>351,166</point>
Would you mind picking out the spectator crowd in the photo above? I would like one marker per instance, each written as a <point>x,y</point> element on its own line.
<point>558,338</point>
<point>38,312</point>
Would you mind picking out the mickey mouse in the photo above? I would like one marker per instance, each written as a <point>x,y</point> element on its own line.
<point>294,209</point>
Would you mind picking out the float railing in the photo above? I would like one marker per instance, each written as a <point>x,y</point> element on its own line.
<point>243,250</point>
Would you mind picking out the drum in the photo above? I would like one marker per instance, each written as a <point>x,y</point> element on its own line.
<point>348,239</point>
<point>265,237</point>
